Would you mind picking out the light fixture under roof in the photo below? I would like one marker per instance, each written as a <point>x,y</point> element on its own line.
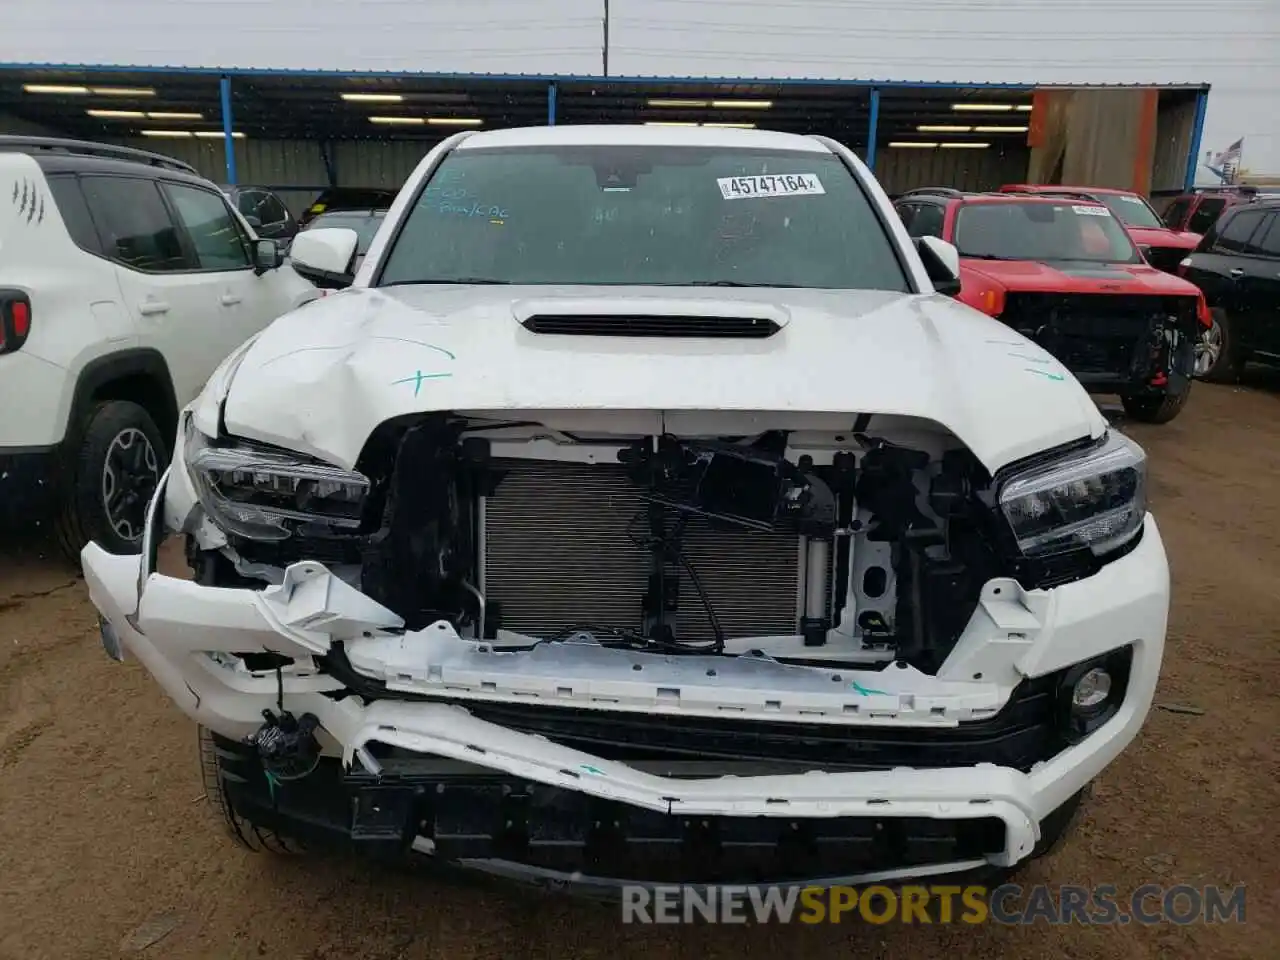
<point>398,121</point>
<point>80,91</point>
<point>670,123</point>
<point>942,128</point>
<point>680,104</point>
<point>139,114</point>
<point>731,126</point>
<point>188,134</point>
<point>373,97</point>
<point>1024,107</point>
<point>124,91</point>
<point>958,145</point>
<point>54,88</point>
<point>1000,129</point>
<point>983,107</point>
<point>455,121</point>
<point>913,145</point>
<point>742,104</point>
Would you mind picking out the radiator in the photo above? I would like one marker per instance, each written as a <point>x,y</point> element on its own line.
<point>560,553</point>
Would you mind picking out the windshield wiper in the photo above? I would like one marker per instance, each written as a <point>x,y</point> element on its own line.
<point>988,256</point>
<point>476,281</point>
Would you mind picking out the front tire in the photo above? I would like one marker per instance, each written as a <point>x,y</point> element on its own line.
<point>112,473</point>
<point>256,837</point>
<point>1218,358</point>
<point>1155,408</point>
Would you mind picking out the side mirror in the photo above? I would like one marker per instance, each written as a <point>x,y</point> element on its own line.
<point>267,255</point>
<point>941,263</point>
<point>324,256</point>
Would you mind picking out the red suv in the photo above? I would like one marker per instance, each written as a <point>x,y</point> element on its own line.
<point>1064,273</point>
<point>1163,247</point>
<point>1200,210</point>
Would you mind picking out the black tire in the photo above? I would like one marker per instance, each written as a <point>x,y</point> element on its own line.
<point>1155,408</point>
<point>108,432</point>
<point>1230,360</point>
<point>251,836</point>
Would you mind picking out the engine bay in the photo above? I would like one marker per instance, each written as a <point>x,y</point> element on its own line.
<point>806,546</point>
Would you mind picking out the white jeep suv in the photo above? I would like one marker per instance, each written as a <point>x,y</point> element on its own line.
<point>124,280</point>
<point>644,510</point>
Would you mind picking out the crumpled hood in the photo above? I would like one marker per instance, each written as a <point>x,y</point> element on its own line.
<point>1032,276</point>
<point>321,378</point>
<point>1163,237</point>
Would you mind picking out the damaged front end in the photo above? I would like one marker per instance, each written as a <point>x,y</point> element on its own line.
<point>698,647</point>
<point>1131,344</point>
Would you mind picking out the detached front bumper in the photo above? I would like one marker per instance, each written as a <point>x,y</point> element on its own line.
<point>404,770</point>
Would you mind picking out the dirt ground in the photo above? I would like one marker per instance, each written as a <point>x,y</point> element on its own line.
<point>106,842</point>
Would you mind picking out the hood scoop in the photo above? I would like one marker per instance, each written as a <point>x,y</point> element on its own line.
<point>651,325</point>
<point>704,318</point>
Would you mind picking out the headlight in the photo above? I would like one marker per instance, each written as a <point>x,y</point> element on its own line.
<point>264,494</point>
<point>1096,498</point>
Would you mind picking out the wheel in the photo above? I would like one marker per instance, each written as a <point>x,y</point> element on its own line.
<point>114,466</point>
<point>1218,358</point>
<point>1155,408</point>
<point>214,764</point>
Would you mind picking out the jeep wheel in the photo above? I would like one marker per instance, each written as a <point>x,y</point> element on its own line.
<point>113,471</point>
<point>1155,408</point>
<point>1218,359</point>
<point>214,763</point>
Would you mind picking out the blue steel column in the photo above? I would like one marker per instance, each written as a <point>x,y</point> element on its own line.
<point>873,123</point>
<point>1197,132</point>
<point>551,104</point>
<point>228,141</point>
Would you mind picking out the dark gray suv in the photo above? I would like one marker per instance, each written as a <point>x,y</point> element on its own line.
<point>1237,265</point>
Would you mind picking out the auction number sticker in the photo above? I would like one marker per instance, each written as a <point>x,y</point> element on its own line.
<point>1092,211</point>
<point>769,185</point>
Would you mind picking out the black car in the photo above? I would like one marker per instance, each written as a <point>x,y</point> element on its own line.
<point>347,198</point>
<point>1237,265</point>
<point>265,211</point>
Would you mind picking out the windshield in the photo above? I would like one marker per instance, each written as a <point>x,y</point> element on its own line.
<point>364,224</point>
<point>1132,210</point>
<point>679,216</point>
<point>1042,231</point>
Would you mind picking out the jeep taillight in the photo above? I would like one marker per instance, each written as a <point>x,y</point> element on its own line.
<point>15,320</point>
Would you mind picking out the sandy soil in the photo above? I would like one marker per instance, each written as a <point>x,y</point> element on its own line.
<point>106,843</point>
